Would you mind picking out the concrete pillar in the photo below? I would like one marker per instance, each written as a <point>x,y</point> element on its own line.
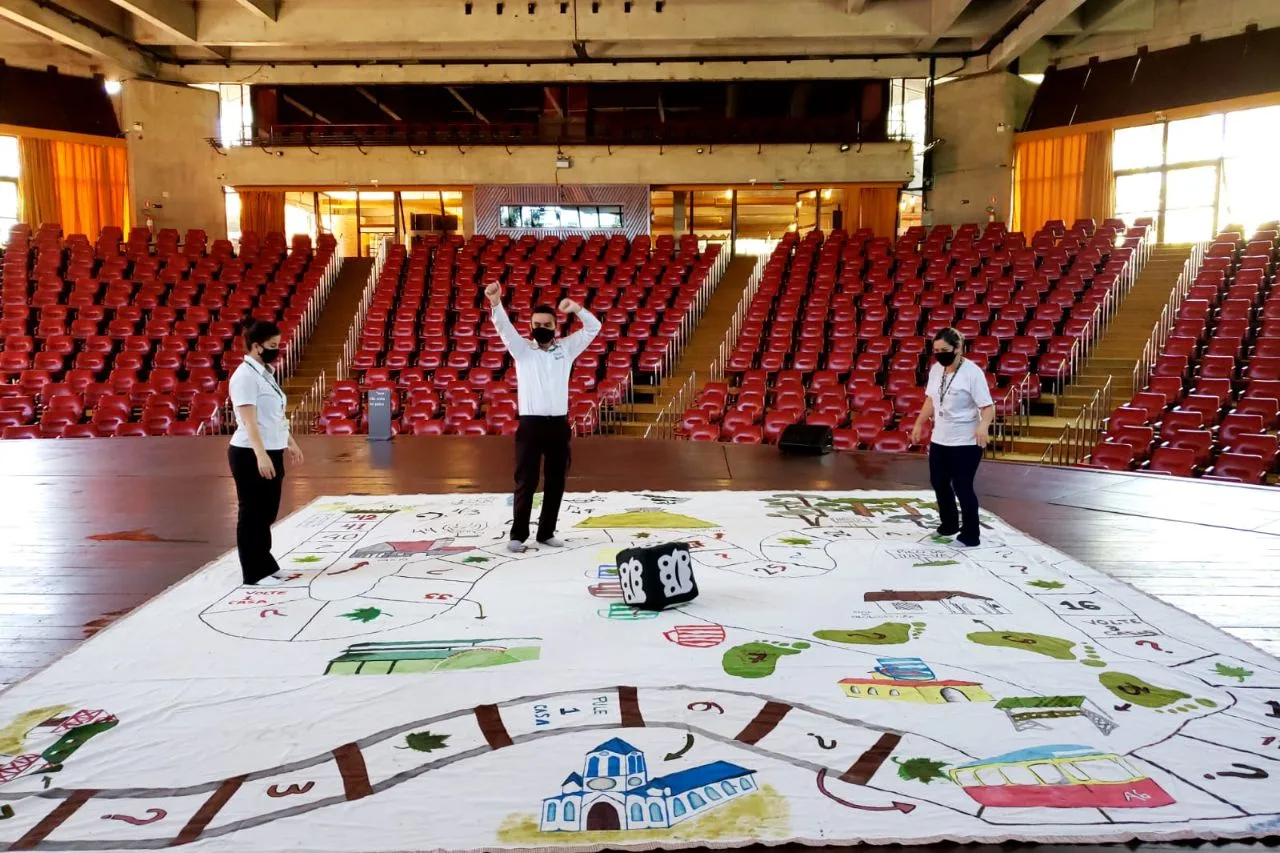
<point>975,119</point>
<point>468,223</point>
<point>172,166</point>
<point>679,199</point>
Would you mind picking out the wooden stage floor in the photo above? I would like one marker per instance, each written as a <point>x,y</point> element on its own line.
<point>93,528</point>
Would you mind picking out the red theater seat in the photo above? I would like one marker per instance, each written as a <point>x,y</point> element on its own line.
<point>1112,456</point>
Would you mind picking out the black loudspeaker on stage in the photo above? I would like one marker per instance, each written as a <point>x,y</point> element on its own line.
<point>806,440</point>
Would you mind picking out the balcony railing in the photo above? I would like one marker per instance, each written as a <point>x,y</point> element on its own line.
<point>844,133</point>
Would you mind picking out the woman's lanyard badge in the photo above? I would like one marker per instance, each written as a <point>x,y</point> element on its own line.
<point>944,387</point>
<point>271,380</point>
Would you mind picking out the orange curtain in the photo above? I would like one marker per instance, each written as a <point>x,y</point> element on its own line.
<point>93,186</point>
<point>261,211</point>
<point>38,183</point>
<point>1062,177</point>
<point>874,207</point>
<point>78,185</point>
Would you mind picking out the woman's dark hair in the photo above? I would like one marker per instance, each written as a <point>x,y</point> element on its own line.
<point>545,309</point>
<point>258,332</point>
<point>951,337</point>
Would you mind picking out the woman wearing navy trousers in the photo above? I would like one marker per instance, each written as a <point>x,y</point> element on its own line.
<point>958,401</point>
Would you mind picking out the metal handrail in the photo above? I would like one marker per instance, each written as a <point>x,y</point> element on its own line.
<point>693,315</point>
<point>730,341</point>
<point>1168,318</point>
<point>1083,346</point>
<point>1013,416</point>
<point>362,312</point>
<point>668,420</point>
<point>292,355</point>
<point>1079,437</point>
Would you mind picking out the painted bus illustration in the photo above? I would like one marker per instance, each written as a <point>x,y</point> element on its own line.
<point>1059,777</point>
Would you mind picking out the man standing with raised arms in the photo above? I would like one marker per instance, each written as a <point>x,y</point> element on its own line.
<point>543,365</point>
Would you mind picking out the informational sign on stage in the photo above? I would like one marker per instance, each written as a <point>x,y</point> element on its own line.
<point>843,676</point>
<point>380,414</point>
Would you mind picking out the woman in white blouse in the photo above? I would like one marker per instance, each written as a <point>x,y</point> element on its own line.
<point>958,401</point>
<point>257,451</point>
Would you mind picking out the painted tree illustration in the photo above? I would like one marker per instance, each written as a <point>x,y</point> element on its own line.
<point>1237,672</point>
<point>920,769</point>
<point>424,741</point>
<point>363,614</point>
<point>803,507</point>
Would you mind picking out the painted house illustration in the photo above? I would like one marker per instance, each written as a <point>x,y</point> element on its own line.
<point>935,601</point>
<point>614,792</point>
<point>424,548</point>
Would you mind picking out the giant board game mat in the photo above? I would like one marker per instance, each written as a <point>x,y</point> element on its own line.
<point>845,675</point>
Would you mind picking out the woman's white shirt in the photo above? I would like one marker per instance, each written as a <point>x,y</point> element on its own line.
<point>254,385</point>
<point>956,414</point>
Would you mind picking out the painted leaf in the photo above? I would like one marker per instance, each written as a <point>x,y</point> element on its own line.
<point>425,741</point>
<point>1047,584</point>
<point>920,770</point>
<point>795,540</point>
<point>310,558</point>
<point>363,614</point>
<point>1237,672</point>
<point>476,560</point>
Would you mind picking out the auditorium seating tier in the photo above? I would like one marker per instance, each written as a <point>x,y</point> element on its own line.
<point>428,338</point>
<point>1211,407</point>
<point>138,337</point>
<point>839,332</point>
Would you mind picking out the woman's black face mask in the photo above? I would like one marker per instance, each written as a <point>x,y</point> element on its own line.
<point>269,355</point>
<point>946,359</point>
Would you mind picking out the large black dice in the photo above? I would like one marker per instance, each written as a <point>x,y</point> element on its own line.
<point>657,577</point>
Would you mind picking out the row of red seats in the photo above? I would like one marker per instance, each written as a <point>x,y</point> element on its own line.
<point>812,321</point>
<point>817,325</point>
<point>1212,401</point>
<point>82,323</point>
<point>455,410</point>
<point>428,329</point>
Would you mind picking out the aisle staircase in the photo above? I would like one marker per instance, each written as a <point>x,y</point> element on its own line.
<point>1113,358</point>
<point>703,348</point>
<point>330,336</point>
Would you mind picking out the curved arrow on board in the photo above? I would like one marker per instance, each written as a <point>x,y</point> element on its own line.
<point>895,806</point>
<point>688,745</point>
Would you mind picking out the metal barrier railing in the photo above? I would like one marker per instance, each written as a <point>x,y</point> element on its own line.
<point>1079,437</point>
<point>689,321</point>
<point>307,412</point>
<point>1013,417</point>
<point>1083,346</point>
<point>362,312</point>
<point>668,420</point>
<point>730,341</point>
<point>292,355</point>
<point>1168,318</point>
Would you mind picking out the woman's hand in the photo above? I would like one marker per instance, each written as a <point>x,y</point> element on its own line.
<point>295,452</point>
<point>917,433</point>
<point>266,468</point>
<point>983,436</point>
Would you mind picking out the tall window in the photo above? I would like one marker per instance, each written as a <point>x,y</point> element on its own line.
<point>235,112</point>
<point>9,164</point>
<point>1196,176</point>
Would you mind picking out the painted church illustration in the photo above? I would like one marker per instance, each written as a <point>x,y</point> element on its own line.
<point>614,792</point>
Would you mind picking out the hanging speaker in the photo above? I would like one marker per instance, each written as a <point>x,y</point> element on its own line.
<point>806,440</point>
